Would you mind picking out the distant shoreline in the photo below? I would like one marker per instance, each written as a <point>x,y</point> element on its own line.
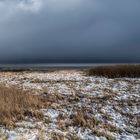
<point>57,66</point>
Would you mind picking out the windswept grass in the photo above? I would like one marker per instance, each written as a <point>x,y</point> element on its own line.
<point>116,71</point>
<point>15,104</point>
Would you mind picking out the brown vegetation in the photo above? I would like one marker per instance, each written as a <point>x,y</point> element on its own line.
<point>83,120</point>
<point>116,71</point>
<point>15,104</point>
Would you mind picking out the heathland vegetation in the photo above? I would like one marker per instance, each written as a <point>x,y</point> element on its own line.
<point>116,71</point>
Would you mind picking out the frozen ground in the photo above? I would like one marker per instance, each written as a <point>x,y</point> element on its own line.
<point>80,107</point>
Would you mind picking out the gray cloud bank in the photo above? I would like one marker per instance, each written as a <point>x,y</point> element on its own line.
<point>69,31</point>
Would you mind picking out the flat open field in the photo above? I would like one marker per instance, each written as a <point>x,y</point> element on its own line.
<point>73,106</point>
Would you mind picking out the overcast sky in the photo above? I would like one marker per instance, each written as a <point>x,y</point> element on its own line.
<point>69,31</point>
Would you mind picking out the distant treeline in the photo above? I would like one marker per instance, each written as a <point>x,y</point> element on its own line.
<point>27,70</point>
<point>116,71</point>
<point>14,69</point>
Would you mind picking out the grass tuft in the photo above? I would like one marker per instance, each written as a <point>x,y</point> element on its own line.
<point>15,104</point>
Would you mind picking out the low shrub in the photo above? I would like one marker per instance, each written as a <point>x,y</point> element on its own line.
<point>115,71</point>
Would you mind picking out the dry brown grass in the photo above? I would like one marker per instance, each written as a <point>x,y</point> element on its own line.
<point>116,71</point>
<point>15,104</point>
<point>83,120</point>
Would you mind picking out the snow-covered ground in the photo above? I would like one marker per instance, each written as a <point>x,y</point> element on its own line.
<point>80,107</point>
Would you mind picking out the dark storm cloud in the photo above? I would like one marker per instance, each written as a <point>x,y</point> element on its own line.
<point>69,30</point>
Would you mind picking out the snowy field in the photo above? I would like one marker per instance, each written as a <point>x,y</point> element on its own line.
<point>80,107</point>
